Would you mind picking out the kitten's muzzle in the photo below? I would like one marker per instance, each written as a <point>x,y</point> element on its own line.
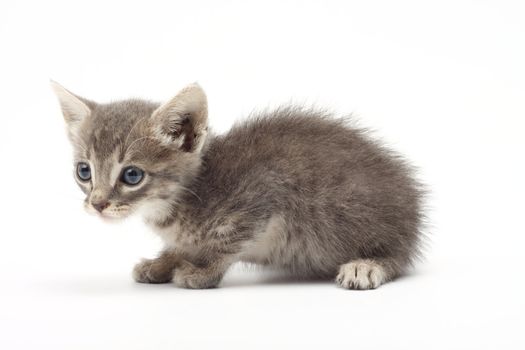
<point>100,205</point>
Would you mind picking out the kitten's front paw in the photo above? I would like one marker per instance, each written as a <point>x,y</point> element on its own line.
<point>152,271</point>
<point>361,274</point>
<point>195,279</point>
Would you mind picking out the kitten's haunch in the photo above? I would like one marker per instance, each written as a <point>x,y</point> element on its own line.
<point>294,188</point>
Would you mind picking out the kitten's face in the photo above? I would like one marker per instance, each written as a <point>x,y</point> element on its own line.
<point>119,163</point>
<point>135,155</point>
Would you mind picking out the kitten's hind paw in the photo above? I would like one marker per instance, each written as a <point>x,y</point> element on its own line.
<point>152,271</point>
<point>361,274</point>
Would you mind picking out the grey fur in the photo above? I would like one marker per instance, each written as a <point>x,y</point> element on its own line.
<point>292,188</point>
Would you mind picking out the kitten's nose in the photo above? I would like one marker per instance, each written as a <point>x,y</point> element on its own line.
<point>99,206</point>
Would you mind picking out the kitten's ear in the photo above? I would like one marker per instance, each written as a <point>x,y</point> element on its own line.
<point>183,120</point>
<point>74,108</point>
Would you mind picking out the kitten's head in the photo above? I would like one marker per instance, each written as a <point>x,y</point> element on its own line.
<point>135,154</point>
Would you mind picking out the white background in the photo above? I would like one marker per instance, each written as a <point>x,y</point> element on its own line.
<point>442,82</point>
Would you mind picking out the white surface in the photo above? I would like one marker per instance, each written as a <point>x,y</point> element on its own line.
<point>442,82</point>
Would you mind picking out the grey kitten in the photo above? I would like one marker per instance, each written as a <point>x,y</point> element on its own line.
<point>294,189</point>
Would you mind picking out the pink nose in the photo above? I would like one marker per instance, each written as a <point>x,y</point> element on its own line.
<point>99,206</point>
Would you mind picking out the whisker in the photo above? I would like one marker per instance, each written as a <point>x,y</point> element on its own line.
<point>191,192</point>
<point>131,130</point>
<point>139,139</point>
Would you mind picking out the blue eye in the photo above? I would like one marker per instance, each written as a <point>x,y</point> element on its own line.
<point>132,175</point>
<point>83,171</point>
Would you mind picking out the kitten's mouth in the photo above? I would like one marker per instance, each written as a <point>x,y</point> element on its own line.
<point>115,214</point>
<point>112,217</point>
<point>110,214</point>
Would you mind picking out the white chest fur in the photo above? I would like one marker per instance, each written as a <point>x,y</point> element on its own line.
<point>173,235</point>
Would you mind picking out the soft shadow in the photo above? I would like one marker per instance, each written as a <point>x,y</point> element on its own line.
<point>244,277</point>
<point>101,286</point>
<point>263,278</point>
<point>260,277</point>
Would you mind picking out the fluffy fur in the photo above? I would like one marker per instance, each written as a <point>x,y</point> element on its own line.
<point>294,188</point>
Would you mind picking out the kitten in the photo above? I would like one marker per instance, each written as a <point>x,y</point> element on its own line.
<point>294,189</point>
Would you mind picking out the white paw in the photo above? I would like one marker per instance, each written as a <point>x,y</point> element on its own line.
<point>361,274</point>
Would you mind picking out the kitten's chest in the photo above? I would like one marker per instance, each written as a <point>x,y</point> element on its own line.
<point>179,235</point>
<point>175,229</point>
<point>194,236</point>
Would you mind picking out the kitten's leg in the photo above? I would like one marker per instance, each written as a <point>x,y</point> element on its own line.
<point>188,275</point>
<point>365,273</point>
<point>158,270</point>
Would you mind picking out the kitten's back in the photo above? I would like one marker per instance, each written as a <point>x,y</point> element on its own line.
<point>342,195</point>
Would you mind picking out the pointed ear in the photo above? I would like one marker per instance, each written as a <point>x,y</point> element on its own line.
<point>183,121</point>
<point>74,108</point>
